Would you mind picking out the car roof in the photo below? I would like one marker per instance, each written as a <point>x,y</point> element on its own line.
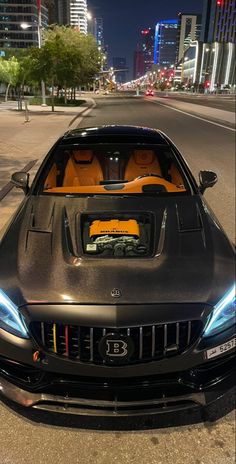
<point>115,134</point>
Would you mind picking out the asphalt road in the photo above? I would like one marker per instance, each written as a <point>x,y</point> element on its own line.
<point>27,438</point>
<point>221,102</point>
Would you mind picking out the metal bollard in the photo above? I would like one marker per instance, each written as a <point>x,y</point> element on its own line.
<point>27,119</point>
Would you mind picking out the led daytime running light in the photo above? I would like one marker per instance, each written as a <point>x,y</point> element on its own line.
<point>13,310</point>
<point>228,298</point>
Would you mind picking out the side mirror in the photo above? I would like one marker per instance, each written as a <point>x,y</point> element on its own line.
<point>21,180</point>
<point>207,179</point>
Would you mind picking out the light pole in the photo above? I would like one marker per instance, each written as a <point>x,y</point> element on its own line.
<point>26,26</point>
<point>40,46</point>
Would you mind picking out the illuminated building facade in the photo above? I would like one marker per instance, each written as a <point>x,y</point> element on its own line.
<point>219,21</point>
<point>147,47</point>
<point>165,46</point>
<point>97,31</point>
<point>219,37</point>
<point>78,15</point>
<point>189,29</point>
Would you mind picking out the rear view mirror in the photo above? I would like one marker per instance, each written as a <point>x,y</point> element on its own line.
<point>207,179</point>
<point>21,180</point>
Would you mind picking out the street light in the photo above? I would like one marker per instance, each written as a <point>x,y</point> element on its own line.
<point>26,26</point>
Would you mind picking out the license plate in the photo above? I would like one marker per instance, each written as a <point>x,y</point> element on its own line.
<point>217,350</point>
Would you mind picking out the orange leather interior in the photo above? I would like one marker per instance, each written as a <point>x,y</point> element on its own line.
<point>140,163</point>
<point>83,168</point>
<point>135,186</point>
<point>176,177</point>
<point>51,180</point>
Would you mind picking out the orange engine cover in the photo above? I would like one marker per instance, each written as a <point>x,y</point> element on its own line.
<point>114,227</point>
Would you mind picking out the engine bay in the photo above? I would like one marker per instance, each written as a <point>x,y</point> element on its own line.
<point>121,235</point>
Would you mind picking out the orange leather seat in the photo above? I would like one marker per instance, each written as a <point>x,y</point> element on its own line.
<point>140,163</point>
<point>51,180</point>
<point>83,168</point>
<point>176,177</point>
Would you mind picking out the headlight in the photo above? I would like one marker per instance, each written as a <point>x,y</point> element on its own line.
<point>10,318</point>
<point>223,315</point>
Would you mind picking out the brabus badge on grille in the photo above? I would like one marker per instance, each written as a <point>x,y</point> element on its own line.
<point>116,293</point>
<point>116,348</point>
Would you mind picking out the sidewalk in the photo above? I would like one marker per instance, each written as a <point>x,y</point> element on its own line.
<point>206,112</point>
<point>21,142</point>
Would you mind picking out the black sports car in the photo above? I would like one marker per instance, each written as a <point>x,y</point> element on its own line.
<point>117,282</point>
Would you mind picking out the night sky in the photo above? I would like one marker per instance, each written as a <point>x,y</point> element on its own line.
<point>123,20</point>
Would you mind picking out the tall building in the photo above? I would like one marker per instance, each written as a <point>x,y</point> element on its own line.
<point>58,12</point>
<point>147,47</point>
<point>97,31</point>
<point>189,29</point>
<point>217,69</point>
<point>120,63</point>
<point>14,14</point>
<point>165,42</point>
<point>78,15</point>
<point>138,64</point>
<point>219,21</point>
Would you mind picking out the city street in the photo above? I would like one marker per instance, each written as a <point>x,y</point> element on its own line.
<point>206,143</point>
<point>223,102</point>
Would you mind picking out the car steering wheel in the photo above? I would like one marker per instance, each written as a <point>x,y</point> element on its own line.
<point>150,174</point>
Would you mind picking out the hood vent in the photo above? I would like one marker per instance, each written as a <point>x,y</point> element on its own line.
<point>189,217</point>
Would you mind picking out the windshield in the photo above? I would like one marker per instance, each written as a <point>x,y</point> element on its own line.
<point>113,169</point>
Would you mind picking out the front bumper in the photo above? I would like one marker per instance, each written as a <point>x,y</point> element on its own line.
<point>193,389</point>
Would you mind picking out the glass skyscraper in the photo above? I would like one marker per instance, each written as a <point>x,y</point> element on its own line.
<point>165,42</point>
<point>219,21</point>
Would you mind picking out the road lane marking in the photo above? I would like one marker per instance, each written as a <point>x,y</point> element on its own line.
<point>193,116</point>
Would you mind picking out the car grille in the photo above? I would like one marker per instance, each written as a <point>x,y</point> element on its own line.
<point>152,342</point>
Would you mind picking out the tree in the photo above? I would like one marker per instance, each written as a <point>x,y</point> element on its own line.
<point>9,73</point>
<point>66,59</point>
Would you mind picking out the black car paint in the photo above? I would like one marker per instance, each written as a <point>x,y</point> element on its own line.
<point>42,260</point>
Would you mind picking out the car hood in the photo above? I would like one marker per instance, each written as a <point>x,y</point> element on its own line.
<point>41,257</point>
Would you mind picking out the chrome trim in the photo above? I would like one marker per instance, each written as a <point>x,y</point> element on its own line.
<point>140,342</point>
<point>43,333</point>
<point>91,407</point>
<point>177,335</point>
<point>168,341</point>
<point>189,332</point>
<point>165,338</point>
<point>153,340</point>
<point>91,344</point>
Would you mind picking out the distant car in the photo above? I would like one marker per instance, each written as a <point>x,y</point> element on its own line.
<point>149,93</point>
<point>117,282</point>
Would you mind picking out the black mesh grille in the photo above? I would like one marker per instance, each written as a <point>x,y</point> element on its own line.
<point>152,342</point>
